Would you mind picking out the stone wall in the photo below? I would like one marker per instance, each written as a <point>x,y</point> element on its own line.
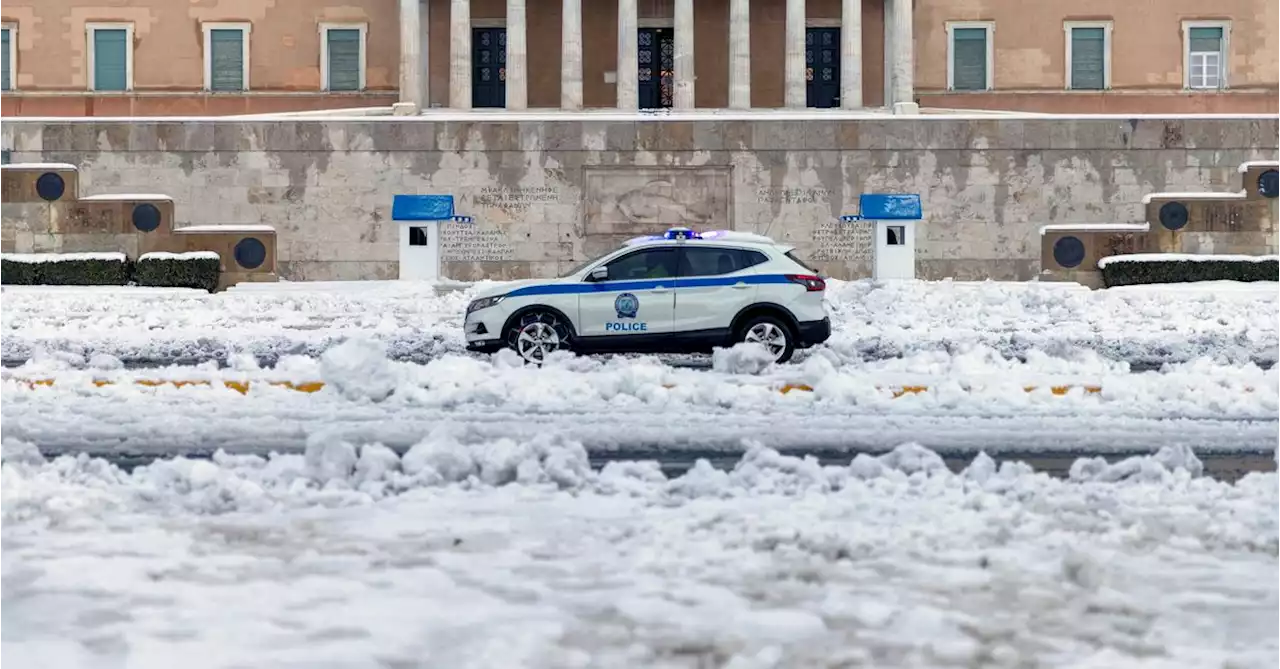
<point>550,191</point>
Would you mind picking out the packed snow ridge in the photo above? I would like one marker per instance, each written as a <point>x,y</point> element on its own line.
<point>515,553</point>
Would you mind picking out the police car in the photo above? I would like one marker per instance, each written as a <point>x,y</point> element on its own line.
<point>679,292</point>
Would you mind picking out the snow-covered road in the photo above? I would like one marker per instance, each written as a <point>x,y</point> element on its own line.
<point>515,554</point>
<point>1143,325</point>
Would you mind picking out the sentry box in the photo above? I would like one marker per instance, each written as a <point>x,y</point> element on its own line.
<point>893,223</point>
<point>420,243</point>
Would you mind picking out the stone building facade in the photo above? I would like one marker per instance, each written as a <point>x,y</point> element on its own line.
<point>215,57</point>
<point>547,193</point>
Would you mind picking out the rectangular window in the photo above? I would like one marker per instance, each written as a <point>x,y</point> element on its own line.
<point>7,52</point>
<point>969,65</point>
<point>1206,55</point>
<point>226,56</point>
<point>1088,56</point>
<point>895,235</point>
<point>343,58</point>
<point>417,236</point>
<point>110,57</point>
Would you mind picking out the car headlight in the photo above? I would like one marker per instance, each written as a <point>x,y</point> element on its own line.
<point>484,303</point>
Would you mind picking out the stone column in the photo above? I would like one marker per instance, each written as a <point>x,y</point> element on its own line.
<point>410,53</point>
<point>851,54</point>
<point>684,70</point>
<point>460,54</point>
<point>424,38</point>
<point>888,53</point>
<point>571,55</point>
<point>740,54</point>
<point>517,56</point>
<point>904,86</point>
<point>628,59</point>
<point>795,82</point>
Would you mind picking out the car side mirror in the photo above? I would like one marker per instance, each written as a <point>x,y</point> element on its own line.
<point>599,274</point>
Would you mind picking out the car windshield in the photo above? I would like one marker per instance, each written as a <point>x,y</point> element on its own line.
<point>579,267</point>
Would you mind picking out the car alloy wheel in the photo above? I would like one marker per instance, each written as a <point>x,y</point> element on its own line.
<point>538,335</point>
<point>772,336</point>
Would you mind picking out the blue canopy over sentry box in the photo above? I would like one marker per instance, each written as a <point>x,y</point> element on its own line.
<point>425,208</point>
<point>893,219</point>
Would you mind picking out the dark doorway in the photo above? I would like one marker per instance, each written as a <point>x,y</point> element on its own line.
<point>488,67</point>
<point>657,67</point>
<point>822,67</point>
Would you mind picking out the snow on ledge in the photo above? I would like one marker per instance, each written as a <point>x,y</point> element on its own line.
<point>225,228</point>
<point>1245,167</point>
<point>1192,257</point>
<point>188,255</point>
<point>1090,227</point>
<point>37,258</point>
<point>1202,195</point>
<point>38,166</point>
<point>124,197</point>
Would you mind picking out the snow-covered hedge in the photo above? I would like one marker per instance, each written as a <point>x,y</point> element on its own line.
<point>197,269</point>
<point>64,269</point>
<point>1127,270</point>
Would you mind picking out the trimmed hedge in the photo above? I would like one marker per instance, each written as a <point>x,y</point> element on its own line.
<point>169,270</point>
<point>1129,273</point>
<point>69,269</point>
<point>179,270</point>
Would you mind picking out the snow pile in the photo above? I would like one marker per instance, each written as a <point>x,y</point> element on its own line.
<point>891,560</point>
<point>1182,257</point>
<point>871,320</point>
<point>744,358</point>
<point>975,399</point>
<point>359,369</point>
<point>187,255</point>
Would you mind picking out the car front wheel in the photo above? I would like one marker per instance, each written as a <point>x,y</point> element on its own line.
<point>770,333</point>
<point>538,334</point>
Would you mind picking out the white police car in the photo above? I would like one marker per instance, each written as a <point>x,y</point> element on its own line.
<point>678,292</point>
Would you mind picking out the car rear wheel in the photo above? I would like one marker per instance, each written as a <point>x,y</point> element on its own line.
<point>772,334</point>
<point>537,334</point>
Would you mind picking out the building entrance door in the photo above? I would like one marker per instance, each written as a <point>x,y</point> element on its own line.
<point>657,67</point>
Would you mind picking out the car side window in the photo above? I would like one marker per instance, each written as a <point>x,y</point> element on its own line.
<point>712,261</point>
<point>647,264</point>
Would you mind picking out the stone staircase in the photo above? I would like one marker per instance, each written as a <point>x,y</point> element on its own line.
<point>44,212</point>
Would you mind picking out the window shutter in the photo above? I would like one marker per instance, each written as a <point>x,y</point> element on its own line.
<point>5,83</point>
<point>1206,40</point>
<point>969,49</point>
<point>226,60</point>
<point>110,60</point>
<point>1088,51</point>
<point>344,60</point>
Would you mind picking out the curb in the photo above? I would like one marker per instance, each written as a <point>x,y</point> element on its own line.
<point>243,387</point>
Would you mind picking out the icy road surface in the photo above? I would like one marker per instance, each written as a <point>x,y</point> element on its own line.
<point>516,554</point>
<point>1143,325</point>
<point>976,400</point>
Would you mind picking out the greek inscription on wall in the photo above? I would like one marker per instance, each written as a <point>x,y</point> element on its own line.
<point>833,240</point>
<point>514,199</point>
<point>1222,217</point>
<point>772,195</point>
<point>464,242</point>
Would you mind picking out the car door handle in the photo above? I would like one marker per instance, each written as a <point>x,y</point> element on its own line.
<point>740,285</point>
<point>659,289</point>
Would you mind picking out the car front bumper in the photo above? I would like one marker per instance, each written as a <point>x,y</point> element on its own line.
<point>483,330</point>
<point>812,333</point>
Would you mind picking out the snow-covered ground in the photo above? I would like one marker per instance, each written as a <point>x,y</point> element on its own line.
<point>1144,325</point>
<point>515,554</point>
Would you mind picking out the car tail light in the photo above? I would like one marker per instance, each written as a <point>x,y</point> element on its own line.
<point>811,282</point>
